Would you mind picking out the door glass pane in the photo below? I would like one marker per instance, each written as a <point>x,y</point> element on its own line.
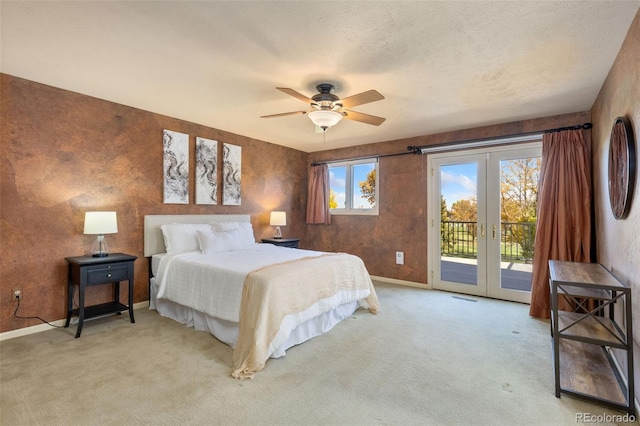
<point>518,208</point>
<point>459,223</point>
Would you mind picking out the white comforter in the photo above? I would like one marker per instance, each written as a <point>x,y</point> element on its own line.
<point>268,290</point>
<point>213,284</point>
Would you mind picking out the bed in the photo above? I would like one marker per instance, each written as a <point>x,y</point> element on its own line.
<point>207,271</point>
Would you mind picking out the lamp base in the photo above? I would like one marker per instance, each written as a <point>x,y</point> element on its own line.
<point>278,235</point>
<point>99,247</point>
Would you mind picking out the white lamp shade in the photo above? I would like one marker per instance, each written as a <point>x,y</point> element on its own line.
<point>96,223</point>
<point>325,118</point>
<point>278,219</point>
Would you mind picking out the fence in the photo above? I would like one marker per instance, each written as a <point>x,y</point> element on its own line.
<point>459,239</point>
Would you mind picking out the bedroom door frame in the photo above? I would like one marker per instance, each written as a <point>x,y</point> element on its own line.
<point>488,280</point>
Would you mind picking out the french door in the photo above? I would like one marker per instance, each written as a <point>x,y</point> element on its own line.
<point>482,213</point>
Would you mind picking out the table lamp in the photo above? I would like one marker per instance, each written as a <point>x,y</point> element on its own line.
<point>100,223</point>
<point>278,219</point>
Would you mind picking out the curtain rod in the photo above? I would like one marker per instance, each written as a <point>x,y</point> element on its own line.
<point>317,163</point>
<point>419,149</point>
<point>489,141</point>
<point>576,127</point>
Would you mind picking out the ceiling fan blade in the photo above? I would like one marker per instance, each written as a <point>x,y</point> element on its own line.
<point>361,98</point>
<point>282,114</point>
<point>295,94</point>
<point>363,118</point>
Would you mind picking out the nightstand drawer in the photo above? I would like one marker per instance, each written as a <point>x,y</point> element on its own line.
<point>107,274</point>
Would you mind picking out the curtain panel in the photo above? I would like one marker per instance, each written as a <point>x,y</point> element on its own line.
<point>318,195</point>
<point>564,212</point>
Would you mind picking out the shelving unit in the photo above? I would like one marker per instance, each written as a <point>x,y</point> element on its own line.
<point>583,340</point>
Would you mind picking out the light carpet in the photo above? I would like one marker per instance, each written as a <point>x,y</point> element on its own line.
<point>428,357</point>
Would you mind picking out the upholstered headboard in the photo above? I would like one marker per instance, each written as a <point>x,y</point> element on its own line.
<point>153,240</point>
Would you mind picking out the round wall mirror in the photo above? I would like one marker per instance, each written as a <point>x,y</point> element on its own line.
<point>622,163</point>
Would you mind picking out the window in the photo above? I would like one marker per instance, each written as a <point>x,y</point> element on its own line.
<point>354,187</point>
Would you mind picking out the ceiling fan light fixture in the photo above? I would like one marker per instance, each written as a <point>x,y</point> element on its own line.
<point>325,118</point>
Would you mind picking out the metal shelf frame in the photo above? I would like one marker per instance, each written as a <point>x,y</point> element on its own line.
<point>584,340</point>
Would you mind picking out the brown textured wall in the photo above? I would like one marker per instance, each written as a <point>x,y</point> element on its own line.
<point>402,222</point>
<point>618,241</point>
<point>64,153</point>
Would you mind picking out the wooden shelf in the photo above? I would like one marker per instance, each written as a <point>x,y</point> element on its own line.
<point>583,292</point>
<point>600,331</point>
<point>584,275</point>
<point>586,370</point>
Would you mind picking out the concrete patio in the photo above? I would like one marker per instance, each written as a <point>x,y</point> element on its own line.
<point>515,276</point>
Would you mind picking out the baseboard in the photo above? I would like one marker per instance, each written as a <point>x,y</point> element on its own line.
<point>401,282</point>
<point>44,327</point>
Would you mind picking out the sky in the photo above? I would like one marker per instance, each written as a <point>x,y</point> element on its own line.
<point>458,182</point>
<point>337,181</point>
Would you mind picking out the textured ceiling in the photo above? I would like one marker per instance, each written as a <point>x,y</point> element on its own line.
<point>441,66</point>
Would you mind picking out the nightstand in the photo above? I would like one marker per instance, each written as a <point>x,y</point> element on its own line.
<point>282,242</point>
<point>86,271</point>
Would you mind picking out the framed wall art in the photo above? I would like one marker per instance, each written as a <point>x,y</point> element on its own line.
<point>176,167</point>
<point>206,171</point>
<point>231,173</point>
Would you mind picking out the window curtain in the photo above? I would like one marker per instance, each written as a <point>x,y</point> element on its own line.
<point>564,212</point>
<point>318,195</point>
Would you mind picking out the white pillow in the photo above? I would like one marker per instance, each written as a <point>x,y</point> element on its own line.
<point>245,231</point>
<point>224,226</point>
<point>247,238</point>
<point>179,237</point>
<point>218,241</point>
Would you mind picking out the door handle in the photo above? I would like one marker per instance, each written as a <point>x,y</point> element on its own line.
<point>494,232</point>
<point>482,230</point>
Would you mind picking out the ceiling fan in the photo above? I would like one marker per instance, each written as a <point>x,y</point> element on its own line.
<point>327,109</point>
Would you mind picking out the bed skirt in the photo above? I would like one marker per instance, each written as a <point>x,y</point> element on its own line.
<point>227,331</point>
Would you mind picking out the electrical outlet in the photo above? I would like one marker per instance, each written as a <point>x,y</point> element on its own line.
<point>399,258</point>
<point>17,294</point>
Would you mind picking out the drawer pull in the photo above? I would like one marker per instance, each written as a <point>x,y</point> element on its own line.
<point>108,275</point>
